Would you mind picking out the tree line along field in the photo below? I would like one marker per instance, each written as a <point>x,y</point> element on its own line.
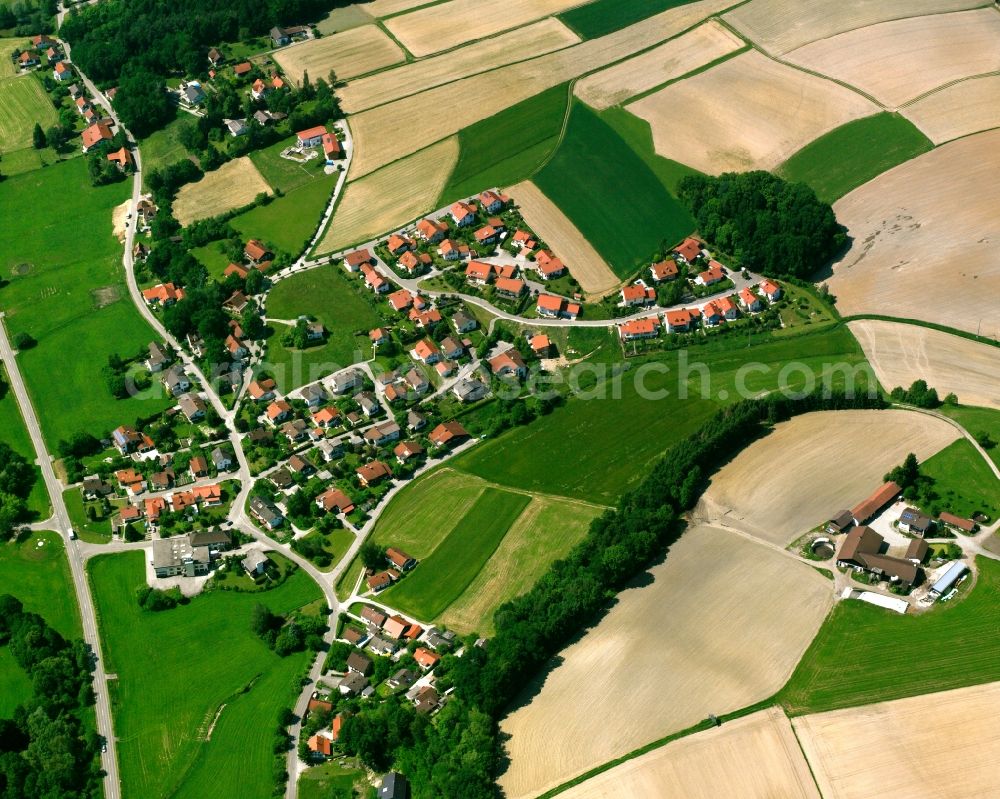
<point>507,147</point>
<point>610,194</point>
<point>207,658</point>
<point>951,646</point>
<point>615,434</point>
<point>67,290</point>
<point>854,153</point>
<point>963,481</point>
<point>325,293</point>
<point>15,435</point>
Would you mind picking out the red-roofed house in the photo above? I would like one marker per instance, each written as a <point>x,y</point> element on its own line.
<point>331,146</point>
<point>95,135</point>
<point>713,274</point>
<point>373,472</point>
<point>510,287</point>
<point>638,295</point>
<point>334,500</point>
<point>431,230</point>
<point>508,363</point>
<point>639,328</point>
<point>411,261</point>
<point>550,305</point>
<point>426,659</point>
<point>688,250</point>
<point>478,273</point>
<point>771,290</point>
<point>486,235</point>
<point>664,270</point>
<point>491,201</point>
<point>681,320</point>
<point>548,265</point>
<point>163,294</point>
<point>426,351</point>
<point>62,72</point>
<point>242,69</point>
<point>541,345</point>
<point>256,251</point>
<point>122,158</point>
<point>236,269</point>
<point>750,301</point>
<point>400,300</point>
<point>398,244</point>
<point>447,434</point>
<point>353,261</point>
<point>379,335</point>
<point>463,213</point>
<point>311,137</point>
<point>258,89</point>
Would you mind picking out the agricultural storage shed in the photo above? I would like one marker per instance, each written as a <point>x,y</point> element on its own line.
<point>948,579</point>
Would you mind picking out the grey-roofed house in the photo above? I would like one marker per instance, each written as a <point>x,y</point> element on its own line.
<point>193,93</point>
<point>330,449</point>
<point>346,381</point>
<point>261,117</point>
<point>255,562</point>
<point>403,678</point>
<point>353,684</point>
<point>394,786</point>
<point>468,390</point>
<point>360,663</point>
<point>94,488</point>
<point>440,639</point>
<point>177,557</point>
<point>236,127</point>
<point>368,402</point>
<point>222,459</point>
<point>217,540</point>
<point>281,477</point>
<point>176,380</point>
<point>415,420</point>
<point>382,646</point>
<point>266,512</point>
<point>314,395</point>
<point>192,406</point>
<point>463,322</point>
<point>913,521</point>
<point>159,356</point>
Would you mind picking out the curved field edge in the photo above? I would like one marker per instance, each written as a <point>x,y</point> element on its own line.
<point>206,656</point>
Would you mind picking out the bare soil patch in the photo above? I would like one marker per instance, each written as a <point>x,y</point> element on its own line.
<point>925,239</point>
<point>563,238</point>
<point>747,113</point>
<point>534,40</point>
<point>349,53</point>
<point>779,26</point>
<point>446,25</point>
<point>721,626</point>
<point>813,466</point>
<point>380,139</point>
<point>119,219</point>
<point>957,110</point>
<point>106,295</point>
<point>754,757</point>
<point>906,743</point>
<point>391,197</point>
<point>900,354</point>
<point>233,185</point>
<point>648,70</point>
<point>903,59</point>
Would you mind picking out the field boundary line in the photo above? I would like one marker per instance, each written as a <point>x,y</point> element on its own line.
<point>696,71</point>
<point>534,494</point>
<point>842,83</point>
<point>921,323</point>
<point>948,85</point>
<point>408,57</point>
<point>570,99</point>
<point>805,757</point>
<point>406,11</point>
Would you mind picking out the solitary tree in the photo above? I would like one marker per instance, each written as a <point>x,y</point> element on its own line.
<point>38,137</point>
<point>372,556</point>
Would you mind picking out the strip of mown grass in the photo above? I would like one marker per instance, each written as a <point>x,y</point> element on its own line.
<point>39,576</point>
<point>965,484</point>
<point>607,16</point>
<point>447,572</point>
<point>23,103</point>
<point>507,147</point>
<point>853,154</point>
<point>615,200</point>
<point>67,290</point>
<point>325,293</point>
<point>598,445</point>
<point>283,174</point>
<point>865,654</point>
<point>289,222</point>
<point>206,658</point>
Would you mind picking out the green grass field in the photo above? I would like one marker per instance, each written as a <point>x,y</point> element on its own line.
<point>854,153</point>
<point>978,421</point>
<point>206,659</point>
<point>15,684</point>
<point>611,195</point>
<point>442,577</point>
<point>15,434</point>
<point>507,147</point>
<point>39,576</point>
<point>213,258</point>
<point>7,46</point>
<point>638,135</point>
<point>164,147</point>
<point>865,654</point>
<point>602,17</point>
<point>67,290</point>
<point>282,174</point>
<point>329,781</point>
<point>288,223</point>
<point>325,293</point>
<point>23,103</point>
<point>597,446</point>
<point>965,483</point>
<point>546,531</point>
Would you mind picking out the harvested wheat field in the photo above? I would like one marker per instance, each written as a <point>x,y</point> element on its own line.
<point>344,18</point>
<point>926,224</point>
<point>721,626</point>
<point>936,745</point>
<point>379,138</point>
<point>562,237</point>
<point>233,185</point>
<point>754,757</point>
<point>897,61</point>
<point>814,465</point>
<point>779,26</point>
<point>455,22</point>
<point>391,197</point>
<point>900,354</point>
<point>349,53</point>
<point>648,70</point>
<point>957,110</point>
<point>533,40</point>
<point>747,113</point>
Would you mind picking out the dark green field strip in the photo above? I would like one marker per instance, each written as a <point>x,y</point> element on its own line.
<point>611,195</point>
<point>507,147</point>
<point>441,578</point>
<point>607,16</point>
<point>865,654</point>
<point>853,154</point>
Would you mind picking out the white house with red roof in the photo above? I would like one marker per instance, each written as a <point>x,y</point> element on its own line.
<point>664,270</point>
<point>463,213</point>
<point>311,137</point>
<point>688,250</point>
<point>749,300</point>
<point>638,294</point>
<point>771,290</point>
<point>639,328</point>
<point>714,274</point>
<point>331,146</point>
<point>681,320</point>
